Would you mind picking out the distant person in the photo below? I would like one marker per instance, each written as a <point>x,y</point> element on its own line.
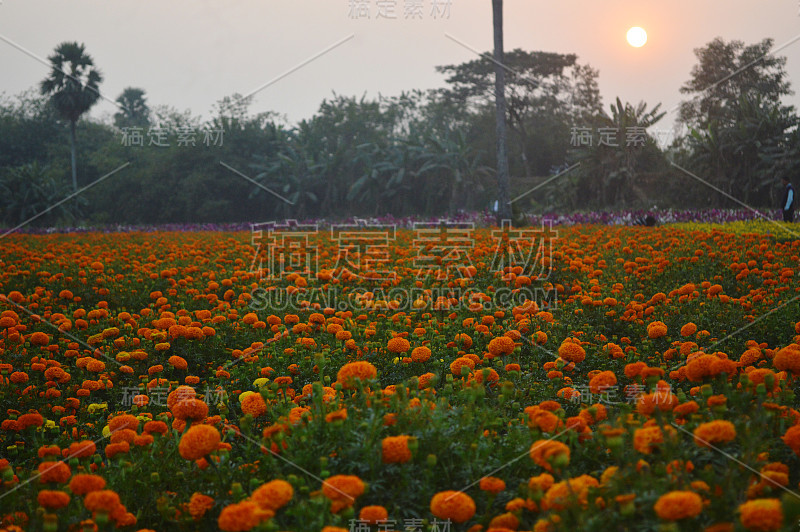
<point>788,202</point>
<point>647,221</point>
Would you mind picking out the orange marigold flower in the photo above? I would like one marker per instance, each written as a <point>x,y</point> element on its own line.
<point>456,506</point>
<point>33,419</point>
<point>788,359</point>
<point>541,482</point>
<point>561,494</point>
<point>546,453</point>
<point>178,362</point>
<point>54,472</point>
<point>571,351</point>
<point>198,441</point>
<point>603,381</point>
<point>39,338</point>
<point>762,515</point>
<point>199,504</point>
<point>398,345</point>
<point>336,415</point>
<point>420,354</point>
<point>502,345</point>
<point>792,438</point>
<point>82,449</point>
<point>273,495</point>
<point>361,369</point>
<point>102,501</point>
<point>492,485</point>
<point>656,329</point>
<point>544,420</point>
<point>254,404</point>
<point>688,329</point>
<point>124,421</point>
<point>179,394</point>
<point>242,516</point>
<point>53,499</point>
<point>155,426</point>
<point>113,449</point>
<point>82,484</point>
<point>372,515</point>
<point>461,362</point>
<point>714,432</point>
<point>463,340</point>
<point>646,404</point>
<point>677,505</point>
<point>343,488</point>
<point>194,409</point>
<point>395,449</point>
<point>646,438</point>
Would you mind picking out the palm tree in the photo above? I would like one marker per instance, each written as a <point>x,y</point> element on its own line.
<point>504,208</point>
<point>72,87</point>
<point>134,112</point>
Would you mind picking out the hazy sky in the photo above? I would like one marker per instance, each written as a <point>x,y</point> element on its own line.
<point>191,53</point>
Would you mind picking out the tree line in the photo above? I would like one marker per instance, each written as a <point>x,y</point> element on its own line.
<point>423,152</point>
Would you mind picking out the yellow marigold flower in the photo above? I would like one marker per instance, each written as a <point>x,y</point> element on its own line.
<point>714,432</point>
<point>395,449</point>
<point>456,506</point>
<point>763,515</point>
<point>273,495</point>
<point>198,441</point>
<point>677,505</point>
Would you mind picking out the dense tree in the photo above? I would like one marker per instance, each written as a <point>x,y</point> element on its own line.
<point>727,71</point>
<point>739,131</point>
<point>73,88</point>
<point>612,166</point>
<point>546,94</point>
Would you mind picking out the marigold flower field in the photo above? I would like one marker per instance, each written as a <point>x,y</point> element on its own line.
<point>634,379</point>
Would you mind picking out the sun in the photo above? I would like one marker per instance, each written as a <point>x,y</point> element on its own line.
<point>637,37</point>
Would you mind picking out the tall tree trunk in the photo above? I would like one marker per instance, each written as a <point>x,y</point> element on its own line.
<point>74,157</point>
<point>504,207</point>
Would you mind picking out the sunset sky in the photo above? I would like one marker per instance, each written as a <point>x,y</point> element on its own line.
<point>191,53</point>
